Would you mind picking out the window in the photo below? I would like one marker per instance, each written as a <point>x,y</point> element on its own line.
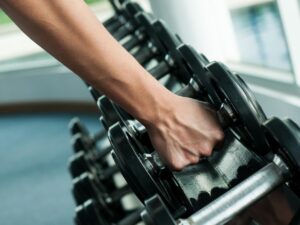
<point>260,36</point>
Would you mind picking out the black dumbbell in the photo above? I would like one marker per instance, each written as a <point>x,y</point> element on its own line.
<point>109,113</point>
<point>153,48</point>
<point>77,127</point>
<point>95,93</point>
<point>284,138</point>
<point>146,175</point>
<point>237,108</point>
<point>282,167</point>
<point>89,214</point>
<point>86,186</point>
<point>81,162</point>
<point>173,62</point>
<point>85,143</point>
<point>118,19</point>
<point>157,213</point>
<point>116,133</point>
<point>140,35</point>
<point>130,9</point>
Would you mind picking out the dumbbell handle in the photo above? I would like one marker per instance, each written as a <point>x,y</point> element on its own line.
<point>131,43</point>
<point>110,21</point>
<point>160,70</point>
<point>122,32</point>
<point>240,197</point>
<point>143,55</point>
<point>112,28</point>
<point>191,90</point>
<point>132,218</point>
<point>118,194</point>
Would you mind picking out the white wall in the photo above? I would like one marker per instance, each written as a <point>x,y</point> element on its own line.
<point>48,84</point>
<point>198,24</point>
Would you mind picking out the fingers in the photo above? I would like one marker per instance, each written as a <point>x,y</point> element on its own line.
<point>187,134</point>
<point>178,158</point>
<point>182,159</point>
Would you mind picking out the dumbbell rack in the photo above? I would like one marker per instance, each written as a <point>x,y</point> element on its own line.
<point>256,149</point>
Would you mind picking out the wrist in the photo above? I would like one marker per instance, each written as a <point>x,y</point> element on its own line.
<point>159,110</point>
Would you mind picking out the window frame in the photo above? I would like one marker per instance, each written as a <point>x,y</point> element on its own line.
<point>289,11</point>
<point>290,15</point>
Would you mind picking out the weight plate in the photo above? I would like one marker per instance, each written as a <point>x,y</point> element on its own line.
<point>197,63</point>
<point>78,164</point>
<point>248,114</point>
<point>171,43</point>
<point>284,138</point>
<point>131,158</point>
<point>157,213</point>
<point>147,21</point>
<point>132,8</point>
<point>76,126</point>
<point>89,213</point>
<point>131,164</point>
<point>109,114</point>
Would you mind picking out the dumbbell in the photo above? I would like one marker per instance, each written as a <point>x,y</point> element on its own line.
<point>82,162</point>
<point>235,104</point>
<point>118,19</point>
<point>85,148</point>
<point>126,25</point>
<point>126,140</point>
<point>146,175</point>
<point>130,9</point>
<point>140,34</point>
<point>76,127</point>
<point>140,30</point>
<point>283,167</point>
<point>89,214</point>
<point>173,62</point>
<point>80,143</point>
<point>152,49</point>
<point>95,93</point>
<point>87,187</point>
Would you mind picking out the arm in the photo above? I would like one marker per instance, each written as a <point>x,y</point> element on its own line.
<point>181,129</point>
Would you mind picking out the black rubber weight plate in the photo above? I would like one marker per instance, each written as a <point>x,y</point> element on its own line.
<point>287,135</point>
<point>130,164</point>
<point>233,90</point>
<point>157,211</point>
<point>197,66</point>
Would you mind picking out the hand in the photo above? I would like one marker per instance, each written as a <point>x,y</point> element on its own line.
<point>185,133</point>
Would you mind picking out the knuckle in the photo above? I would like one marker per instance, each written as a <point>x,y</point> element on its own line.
<point>177,164</point>
<point>219,135</point>
<point>195,160</point>
<point>206,150</point>
<point>177,167</point>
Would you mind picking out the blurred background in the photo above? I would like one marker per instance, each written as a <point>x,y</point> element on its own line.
<point>38,96</point>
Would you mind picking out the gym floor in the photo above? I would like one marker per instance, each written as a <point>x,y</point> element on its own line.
<point>35,183</point>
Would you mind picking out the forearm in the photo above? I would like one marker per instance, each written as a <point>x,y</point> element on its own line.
<point>71,33</point>
<point>181,129</point>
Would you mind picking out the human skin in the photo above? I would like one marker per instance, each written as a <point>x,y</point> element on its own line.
<point>182,130</point>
